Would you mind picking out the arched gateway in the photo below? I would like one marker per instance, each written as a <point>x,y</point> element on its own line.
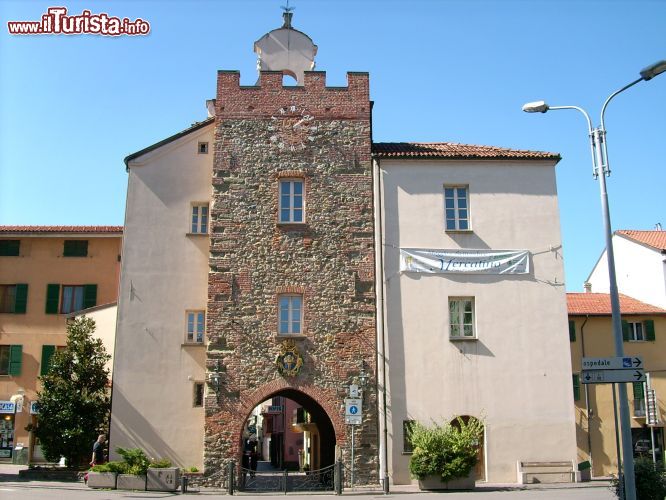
<point>291,298</point>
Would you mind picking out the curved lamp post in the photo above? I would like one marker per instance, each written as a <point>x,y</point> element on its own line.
<point>600,162</point>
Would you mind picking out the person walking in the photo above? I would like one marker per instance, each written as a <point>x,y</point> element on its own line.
<point>98,451</point>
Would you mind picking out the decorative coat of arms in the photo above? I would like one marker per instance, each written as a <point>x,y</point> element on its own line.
<point>289,360</point>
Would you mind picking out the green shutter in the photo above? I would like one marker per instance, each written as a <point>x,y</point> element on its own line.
<point>572,331</point>
<point>638,390</point>
<point>21,301</point>
<point>52,298</point>
<point>625,331</point>
<point>75,248</point>
<point>576,387</point>
<point>15,358</point>
<point>649,330</point>
<point>47,352</point>
<point>89,296</point>
<point>9,248</point>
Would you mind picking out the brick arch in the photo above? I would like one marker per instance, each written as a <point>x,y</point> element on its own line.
<point>326,400</point>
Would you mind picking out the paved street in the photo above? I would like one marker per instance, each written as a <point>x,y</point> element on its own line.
<point>40,490</point>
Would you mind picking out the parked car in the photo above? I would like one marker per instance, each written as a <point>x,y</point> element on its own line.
<point>644,447</point>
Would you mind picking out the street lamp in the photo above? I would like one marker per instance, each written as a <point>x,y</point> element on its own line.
<point>215,379</point>
<point>601,170</point>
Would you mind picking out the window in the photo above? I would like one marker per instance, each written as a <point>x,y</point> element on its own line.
<point>638,331</point>
<point>198,394</point>
<point>10,359</point>
<point>199,219</point>
<point>75,248</point>
<point>70,298</point>
<point>9,248</point>
<point>406,441</point>
<point>203,148</point>
<point>456,208</point>
<point>13,298</point>
<point>639,399</point>
<point>461,317</point>
<point>576,386</point>
<point>291,314</point>
<point>572,331</point>
<point>291,200</point>
<point>196,326</point>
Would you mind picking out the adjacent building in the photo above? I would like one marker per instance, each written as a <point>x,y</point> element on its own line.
<point>590,335</point>
<point>272,252</point>
<point>640,266</point>
<point>46,274</point>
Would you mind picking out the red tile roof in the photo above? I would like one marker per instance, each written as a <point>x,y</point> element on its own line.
<point>454,150</point>
<point>654,239</point>
<point>61,229</point>
<point>598,304</point>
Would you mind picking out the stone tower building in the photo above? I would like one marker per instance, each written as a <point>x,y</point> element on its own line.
<point>291,298</point>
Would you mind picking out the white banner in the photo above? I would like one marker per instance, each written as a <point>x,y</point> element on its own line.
<point>418,260</point>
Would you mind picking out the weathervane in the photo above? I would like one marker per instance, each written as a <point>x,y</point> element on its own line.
<point>288,14</point>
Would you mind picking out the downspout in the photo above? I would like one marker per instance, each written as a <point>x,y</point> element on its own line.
<point>588,410</point>
<point>381,344</point>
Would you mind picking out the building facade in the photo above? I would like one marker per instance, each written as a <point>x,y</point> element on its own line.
<point>264,260</point>
<point>486,332</point>
<point>590,335</point>
<point>46,273</point>
<point>640,266</point>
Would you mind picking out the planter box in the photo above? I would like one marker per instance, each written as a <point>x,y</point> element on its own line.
<point>102,480</point>
<point>167,479</point>
<point>131,482</point>
<point>436,483</point>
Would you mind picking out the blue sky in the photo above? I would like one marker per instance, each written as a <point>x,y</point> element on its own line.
<point>72,107</point>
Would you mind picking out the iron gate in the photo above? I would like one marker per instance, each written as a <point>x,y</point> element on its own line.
<point>252,481</point>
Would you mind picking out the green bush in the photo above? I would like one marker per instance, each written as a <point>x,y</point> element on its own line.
<point>118,467</point>
<point>162,463</point>
<point>135,459</point>
<point>650,481</point>
<point>445,450</point>
<point>194,469</point>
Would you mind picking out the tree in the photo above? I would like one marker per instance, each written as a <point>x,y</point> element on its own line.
<point>74,401</point>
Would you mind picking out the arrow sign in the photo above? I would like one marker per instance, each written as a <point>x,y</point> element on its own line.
<point>612,376</point>
<point>621,363</point>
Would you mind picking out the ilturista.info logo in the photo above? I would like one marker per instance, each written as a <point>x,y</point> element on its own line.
<point>56,21</point>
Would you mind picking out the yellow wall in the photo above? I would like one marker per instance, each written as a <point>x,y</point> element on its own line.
<point>598,339</point>
<point>41,262</point>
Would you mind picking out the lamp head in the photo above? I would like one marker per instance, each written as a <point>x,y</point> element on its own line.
<point>536,107</point>
<point>653,70</point>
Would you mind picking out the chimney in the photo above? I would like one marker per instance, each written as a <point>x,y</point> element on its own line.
<point>657,226</point>
<point>588,287</point>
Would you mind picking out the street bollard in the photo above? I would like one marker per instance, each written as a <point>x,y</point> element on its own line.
<point>337,477</point>
<point>230,477</point>
<point>183,484</point>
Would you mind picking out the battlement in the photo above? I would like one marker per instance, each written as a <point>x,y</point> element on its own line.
<point>236,101</point>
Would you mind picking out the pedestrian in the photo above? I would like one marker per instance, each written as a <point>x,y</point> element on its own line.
<point>98,451</point>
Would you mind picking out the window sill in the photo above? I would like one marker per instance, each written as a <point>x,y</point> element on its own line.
<point>197,234</point>
<point>459,339</point>
<point>295,336</point>
<point>462,231</point>
<point>637,341</point>
<point>193,344</point>
<point>407,453</point>
<point>291,225</point>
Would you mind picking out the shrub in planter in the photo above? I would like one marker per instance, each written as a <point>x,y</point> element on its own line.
<point>136,461</point>
<point>650,481</point>
<point>162,476</point>
<point>445,451</point>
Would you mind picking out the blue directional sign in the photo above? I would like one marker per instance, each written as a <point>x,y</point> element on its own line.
<point>353,411</point>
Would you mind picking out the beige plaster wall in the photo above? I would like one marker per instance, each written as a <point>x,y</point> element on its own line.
<point>164,273</point>
<point>594,335</point>
<point>517,375</point>
<point>105,327</point>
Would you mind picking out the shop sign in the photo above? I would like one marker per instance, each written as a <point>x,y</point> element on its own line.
<point>7,407</point>
<point>34,407</point>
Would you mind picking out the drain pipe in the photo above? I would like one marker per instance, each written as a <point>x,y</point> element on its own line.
<point>381,334</point>
<point>588,410</point>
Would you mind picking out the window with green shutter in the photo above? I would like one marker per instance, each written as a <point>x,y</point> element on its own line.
<point>15,359</point>
<point>576,387</point>
<point>21,303</point>
<point>75,248</point>
<point>649,330</point>
<point>52,298</point>
<point>10,248</point>
<point>47,353</point>
<point>638,390</point>
<point>572,331</point>
<point>625,331</point>
<point>89,296</point>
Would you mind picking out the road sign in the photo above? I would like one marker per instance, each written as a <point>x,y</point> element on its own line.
<point>651,417</point>
<point>611,376</point>
<point>623,363</point>
<point>353,411</point>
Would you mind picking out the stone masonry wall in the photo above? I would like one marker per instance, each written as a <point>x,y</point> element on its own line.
<point>329,258</point>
